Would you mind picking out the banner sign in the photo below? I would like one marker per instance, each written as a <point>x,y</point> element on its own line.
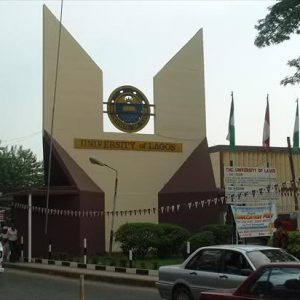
<point>254,221</point>
<point>244,184</point>
<point>127,145</point>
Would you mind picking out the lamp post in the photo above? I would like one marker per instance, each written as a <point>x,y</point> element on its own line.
<point>97,162</point>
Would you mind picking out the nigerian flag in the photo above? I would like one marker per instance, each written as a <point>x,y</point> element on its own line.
<point>231,130</point>
<point>296,131</point>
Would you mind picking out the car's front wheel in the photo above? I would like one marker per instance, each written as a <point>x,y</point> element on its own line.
<point>182,293</point>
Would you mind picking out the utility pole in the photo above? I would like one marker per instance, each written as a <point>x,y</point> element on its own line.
<point>293,174</point>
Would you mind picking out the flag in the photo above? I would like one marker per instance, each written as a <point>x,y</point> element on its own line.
<point>296,131</point>
<point>231,129</point>
<point>266,133</point>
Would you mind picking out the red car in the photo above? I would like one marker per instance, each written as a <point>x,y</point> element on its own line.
<point>276,281</point>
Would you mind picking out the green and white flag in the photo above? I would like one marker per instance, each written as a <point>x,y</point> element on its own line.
<point>296,131</point>
<point>231,129</point>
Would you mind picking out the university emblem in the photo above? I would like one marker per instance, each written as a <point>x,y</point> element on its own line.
<point>128,109</point>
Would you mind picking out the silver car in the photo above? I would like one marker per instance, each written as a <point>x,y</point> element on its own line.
<point>215,267</point>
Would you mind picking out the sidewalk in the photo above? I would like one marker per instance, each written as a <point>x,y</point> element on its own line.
<point>91,272</point>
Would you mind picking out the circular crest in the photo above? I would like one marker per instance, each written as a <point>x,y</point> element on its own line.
<point>128,109</point>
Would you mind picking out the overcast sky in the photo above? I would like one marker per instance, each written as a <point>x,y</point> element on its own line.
<point>131,41</point>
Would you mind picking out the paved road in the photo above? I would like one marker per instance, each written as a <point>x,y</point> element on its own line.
<point>20,285</point>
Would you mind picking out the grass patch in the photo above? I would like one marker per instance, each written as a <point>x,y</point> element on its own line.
<point>119,260</point>
<point>150,263</point>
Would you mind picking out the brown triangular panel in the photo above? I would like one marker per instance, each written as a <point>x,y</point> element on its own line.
<point>195,175</point>
<point>64,170</point>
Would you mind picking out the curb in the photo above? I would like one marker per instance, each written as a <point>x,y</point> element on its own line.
<point>91,272</point>
<point>136,271</point>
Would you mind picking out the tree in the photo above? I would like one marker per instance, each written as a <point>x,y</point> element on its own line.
<point>280,23</point>
<point>19,168</point>
<point>138,237</point>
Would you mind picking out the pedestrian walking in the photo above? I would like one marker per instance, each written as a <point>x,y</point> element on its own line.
<point>12,235</point>
<point>280,235</point>
<point>5,243</point>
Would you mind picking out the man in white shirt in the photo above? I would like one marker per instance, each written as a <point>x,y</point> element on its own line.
<point>12,235</point>
<point>5,243</point>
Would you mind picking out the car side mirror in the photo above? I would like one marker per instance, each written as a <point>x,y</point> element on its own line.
<point>246,272</point>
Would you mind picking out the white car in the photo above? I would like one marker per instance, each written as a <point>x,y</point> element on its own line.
<point>215,267</point>
<point>1,258</point>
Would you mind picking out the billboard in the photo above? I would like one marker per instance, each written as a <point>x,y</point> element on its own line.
<point>254,221</point>
<point>250,184</point>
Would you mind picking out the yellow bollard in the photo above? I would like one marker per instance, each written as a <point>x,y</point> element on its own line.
<point>82,287</point>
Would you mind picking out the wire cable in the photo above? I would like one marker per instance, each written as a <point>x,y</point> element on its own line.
<point>21,138</point>
<point>52,118</point>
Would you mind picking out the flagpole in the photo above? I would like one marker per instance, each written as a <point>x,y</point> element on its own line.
<point>232,159</point>
<point>266,132</point>
<point>296,130</point>
<point>295,150</point>
<point>268,163</point>
<point>234,163</point>
<point>293,174</point>
<point>266,142</point>
<point>267,156</point>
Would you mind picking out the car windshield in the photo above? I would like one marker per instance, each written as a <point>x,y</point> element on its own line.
<point>276,283</point>
<point>261,257</point>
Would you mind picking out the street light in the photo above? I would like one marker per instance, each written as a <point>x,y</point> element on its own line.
<point>99,163</point>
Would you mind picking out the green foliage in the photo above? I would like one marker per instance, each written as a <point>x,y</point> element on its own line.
<point>170,240</point>
<point>113,263</point>
<point>143,238</point>
<point>19,168</point>
<point>155,265</point>
<point>270,241</point>
<point>296,77</point>
<point>93,260</point>
<point>123,263</point>
<point>139,237</point>
<point>294,243</point>
<point>221,232</point>
<point>62,256</point>
<point>282,21</point>
<point>151,263</point>
<point>201,239</point>
<point>167,240</point>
